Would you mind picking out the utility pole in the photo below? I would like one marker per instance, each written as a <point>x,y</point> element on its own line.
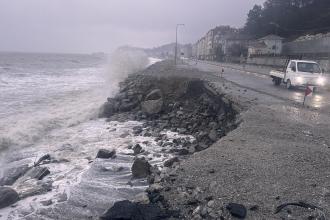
<point>176,42</point>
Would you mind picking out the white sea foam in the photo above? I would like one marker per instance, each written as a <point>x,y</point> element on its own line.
<point>53,110</point>
<point>153,60</point>
<point>34,102</point>
<point>81,180</point>
<point>121,64</point>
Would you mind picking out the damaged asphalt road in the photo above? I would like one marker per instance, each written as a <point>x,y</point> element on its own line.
<point>279,154</point>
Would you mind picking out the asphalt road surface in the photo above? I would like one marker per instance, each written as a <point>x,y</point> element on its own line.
<point>262,83</point>
<point>278,154</point>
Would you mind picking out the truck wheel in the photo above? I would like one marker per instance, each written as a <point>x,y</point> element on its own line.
<point>277,81</point>
<point>274,81</point>
<point>288,84</point>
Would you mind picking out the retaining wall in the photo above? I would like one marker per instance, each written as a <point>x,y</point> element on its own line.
<point>314,46</point>
<point>280,62</point>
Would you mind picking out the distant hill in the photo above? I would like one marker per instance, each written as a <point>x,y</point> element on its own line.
<point>164,52</point>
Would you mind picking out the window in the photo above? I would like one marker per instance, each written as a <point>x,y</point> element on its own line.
<point>309,67</point>
<point>293,66</point>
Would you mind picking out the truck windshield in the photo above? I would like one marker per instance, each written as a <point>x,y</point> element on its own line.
<point>309,67</point>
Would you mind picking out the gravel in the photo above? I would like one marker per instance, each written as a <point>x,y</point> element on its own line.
<point>268,160</point>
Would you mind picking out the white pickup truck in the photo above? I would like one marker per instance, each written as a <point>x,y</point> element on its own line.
<point>299,73</point>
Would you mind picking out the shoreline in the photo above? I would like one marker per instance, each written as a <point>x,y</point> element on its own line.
<point>259,165</point>
<point>193,146</point>
<point>186,105</point>
<point>156,137</point>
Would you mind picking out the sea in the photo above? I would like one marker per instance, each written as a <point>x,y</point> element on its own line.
<point>49,104</point>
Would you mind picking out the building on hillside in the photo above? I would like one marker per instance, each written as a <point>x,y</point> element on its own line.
<point>236,44</point>
<point>201,49</point>
<point>194,51</point>
<point>218,42</point>
<point>268,45</point>
<point>256,48</point>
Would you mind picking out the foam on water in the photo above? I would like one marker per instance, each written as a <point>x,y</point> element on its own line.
<point>94,186</point>
<point>51,107</point>
<point>77,145</point>
<point>35,101</point>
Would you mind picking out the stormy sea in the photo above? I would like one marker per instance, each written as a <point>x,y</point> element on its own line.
<point>49,105</point>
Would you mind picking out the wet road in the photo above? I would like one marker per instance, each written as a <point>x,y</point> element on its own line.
<point>261,82</point>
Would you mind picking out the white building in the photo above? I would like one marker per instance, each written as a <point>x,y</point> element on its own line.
<point>268,45</point>
<point>216,41</point>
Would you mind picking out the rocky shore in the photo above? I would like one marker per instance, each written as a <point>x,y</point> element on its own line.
<point>267,159</point>
<point>185,105</point>
<point>179,143</point>
<point>167,119</point>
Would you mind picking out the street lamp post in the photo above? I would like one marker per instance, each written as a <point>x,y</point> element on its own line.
<point>176,42</point>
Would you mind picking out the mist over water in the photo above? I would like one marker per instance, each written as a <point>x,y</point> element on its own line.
<point>123,62</point>
<point>42,92</point>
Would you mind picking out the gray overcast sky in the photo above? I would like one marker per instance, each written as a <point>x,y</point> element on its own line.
<point>102,25</point>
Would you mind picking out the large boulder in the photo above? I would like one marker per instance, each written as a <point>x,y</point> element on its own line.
<point>11,174</point>
<point>109,108</point>
<point>183,151</point>
<point>170,162</point>
<point>154,95</point>
<point>106,154</point>
<point>141,168</point>
<point>126,210</point>
<point>200,147</point>
<point>142,198</point>
<point>8,196</point>
<point>152,106</point>
<point>213,135</point>
<point>128,105</point>
<point>137,130</point>
<point>137,149</point>
<point>44,159</point>
<point>153,103</point>
<point>237,210</point>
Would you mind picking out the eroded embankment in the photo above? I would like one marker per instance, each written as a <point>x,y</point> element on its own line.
<point>277,156</point>
<point>187,106</point>
<point>177,104</point>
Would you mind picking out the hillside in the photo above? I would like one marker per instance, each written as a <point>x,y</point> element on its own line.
<point>289,18</point>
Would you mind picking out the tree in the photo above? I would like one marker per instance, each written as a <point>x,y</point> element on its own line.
<point>289,18</point>
<point>254,20</point>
